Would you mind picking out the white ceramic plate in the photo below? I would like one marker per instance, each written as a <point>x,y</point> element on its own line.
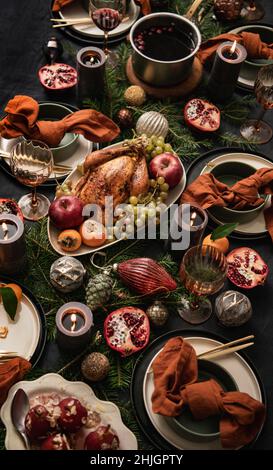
<point>84,147</point>
<point>256,226</point>
<point>23,331</point>
<point>234,364</point>
<point>49,383</point>
<point>53,232</point>
<point>76,10</point>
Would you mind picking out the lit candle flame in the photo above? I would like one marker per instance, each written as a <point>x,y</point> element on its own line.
<point>5,230</point>
<point>73,322</point>
<point>233,47</point>
<point>193,217</point>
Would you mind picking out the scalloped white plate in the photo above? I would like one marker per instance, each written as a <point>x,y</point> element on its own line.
<point>49,383</point>
<point>74,176</point>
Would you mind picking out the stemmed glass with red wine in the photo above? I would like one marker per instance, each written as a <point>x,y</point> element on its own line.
<point>107,15</point>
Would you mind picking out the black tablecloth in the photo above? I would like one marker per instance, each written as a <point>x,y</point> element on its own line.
<point>24,28</point>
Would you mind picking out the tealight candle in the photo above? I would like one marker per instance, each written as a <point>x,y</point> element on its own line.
<point>12,244</point>
<point>225,71</point>
<point>74,321</point>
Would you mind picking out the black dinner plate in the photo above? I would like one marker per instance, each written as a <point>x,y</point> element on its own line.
<point>42,320</point>
<point>195,169</point>
<point>139,372</point>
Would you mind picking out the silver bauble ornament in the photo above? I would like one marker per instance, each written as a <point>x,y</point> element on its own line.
<point>157,313</point>
<point>152,123</point>
<point>66,274</point>
<point>233,308</point>
<point>95,367</point>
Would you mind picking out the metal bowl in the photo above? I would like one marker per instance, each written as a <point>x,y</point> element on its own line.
<point>159,72</point>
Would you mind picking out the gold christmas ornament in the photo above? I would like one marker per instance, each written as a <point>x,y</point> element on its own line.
<point>152,123</point>
<point>135,95</point>
<point>157,313</point>
<point>95,367</point>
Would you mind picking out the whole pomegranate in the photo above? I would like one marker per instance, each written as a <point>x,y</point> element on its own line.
<point>103,438</point>
<point>202,115</point>
<point>56,441</point>
<point>73,414</point>
<point>246,269</point>
<point>39,422</point>
<point>57,76</point>
<point>127,330</point>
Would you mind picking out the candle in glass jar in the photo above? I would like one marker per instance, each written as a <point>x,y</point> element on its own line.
<point>225,70</point>
<point>186,229</point>
<point>12,244</point>
<point>74,321</point>
<point>91,73</point>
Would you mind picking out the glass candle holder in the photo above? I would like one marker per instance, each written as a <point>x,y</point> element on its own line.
<point>186,229</point>
<point>91,73</point>
<point>74,321</point>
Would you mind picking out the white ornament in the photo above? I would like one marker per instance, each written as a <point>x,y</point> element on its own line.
<point>152,123</point>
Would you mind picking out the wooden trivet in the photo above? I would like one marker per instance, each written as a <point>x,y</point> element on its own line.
<point>182,89</point>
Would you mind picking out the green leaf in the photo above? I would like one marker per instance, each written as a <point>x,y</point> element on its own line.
<point>223,231</point>
<point>10,301</point>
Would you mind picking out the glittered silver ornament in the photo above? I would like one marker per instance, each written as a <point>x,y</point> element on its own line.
<point>233,308</point>
<point>152,123</point>
<point>95,367</point>
<point>66,274</point>
<point>157,313</point>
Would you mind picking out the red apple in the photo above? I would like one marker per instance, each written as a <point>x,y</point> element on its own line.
<point>166,165</point>
<point>66,212</point>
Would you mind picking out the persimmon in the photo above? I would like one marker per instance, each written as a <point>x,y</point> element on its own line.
<point>70,240</point>
<point>222,244</point>
<point>16,289</point>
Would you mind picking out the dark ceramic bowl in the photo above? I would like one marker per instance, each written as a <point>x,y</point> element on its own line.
<point>206,429</point>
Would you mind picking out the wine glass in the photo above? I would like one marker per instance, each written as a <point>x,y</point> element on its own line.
<point>252,11</point>
<point>107,15</point>
<point>203,272</point>
<point>256,130</point>
<point>31,163</point>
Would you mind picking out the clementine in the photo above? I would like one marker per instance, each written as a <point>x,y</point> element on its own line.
<point>222,244</point>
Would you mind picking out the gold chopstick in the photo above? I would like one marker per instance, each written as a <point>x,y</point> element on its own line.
<point>225,352</point>
<point>226,345</point>
<point>60,167</point>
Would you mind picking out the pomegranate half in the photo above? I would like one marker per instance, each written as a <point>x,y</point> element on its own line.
<point>58,76</point>
<point>202,115</point>
<point>127,330</point>
<point>246,269</point>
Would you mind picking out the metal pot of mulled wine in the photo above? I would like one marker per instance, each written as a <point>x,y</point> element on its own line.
<point>164,46</point>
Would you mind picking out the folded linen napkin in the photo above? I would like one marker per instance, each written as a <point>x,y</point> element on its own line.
<point>207,192</point>
<point>256,49</point>
<point>175,374</point>
<point>22,114</point>
<point>11,372</point>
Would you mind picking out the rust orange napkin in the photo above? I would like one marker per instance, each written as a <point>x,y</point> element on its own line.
<point>175,375</point>
<point>251,41</point>
<point>174,367</point>
<point>22,114</point>
<point>241,416</point>
<point>11,372</point>
<point>207,191</point>
<point>144,4</point>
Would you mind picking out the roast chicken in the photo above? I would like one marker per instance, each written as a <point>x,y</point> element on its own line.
<point>120,172</point>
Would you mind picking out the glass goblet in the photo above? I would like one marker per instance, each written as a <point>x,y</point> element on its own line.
<point>107,15</point>
<point>203,272</point>
<point>256,130</point>
<point>31,163</point>
<point>252,11</point>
